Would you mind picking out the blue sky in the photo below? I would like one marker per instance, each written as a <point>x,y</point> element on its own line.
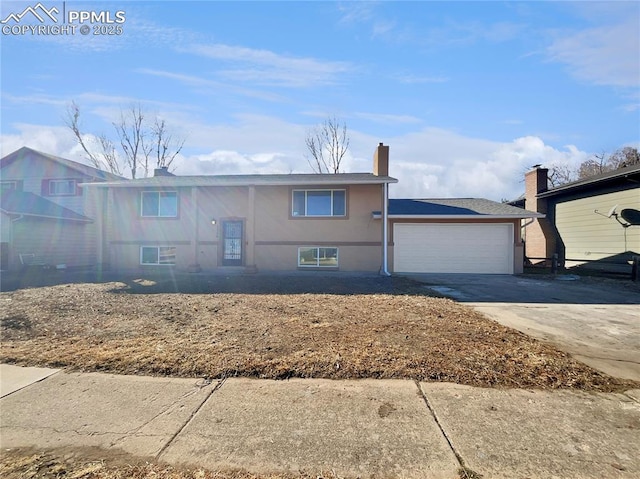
<point>468,95</point>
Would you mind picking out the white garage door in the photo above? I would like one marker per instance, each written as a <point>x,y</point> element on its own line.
<point>453,248</point>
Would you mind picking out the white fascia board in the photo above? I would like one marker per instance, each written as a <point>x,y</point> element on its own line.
<point>467,217</point>
<point>179,184</point>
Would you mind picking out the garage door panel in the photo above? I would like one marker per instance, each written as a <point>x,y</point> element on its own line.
<point>453,248</point>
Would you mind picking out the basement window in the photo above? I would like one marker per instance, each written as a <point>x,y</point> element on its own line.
<point>317,257</point>
<point>158,255</point>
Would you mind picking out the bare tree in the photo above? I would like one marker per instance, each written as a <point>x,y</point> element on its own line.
<point>137,142</point>
<point>107,158</point>
<point>327,145</point>
<point>624,157</point>
<point>166,147</point>
<point>560,174</point>
<point>132,135</point>
<point>596,165</point>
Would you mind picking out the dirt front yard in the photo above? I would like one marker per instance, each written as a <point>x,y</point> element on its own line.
<point>327,326</point>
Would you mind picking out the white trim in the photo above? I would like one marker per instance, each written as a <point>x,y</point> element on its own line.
<point>479,216</point>
<point>385,230</point>
<point>185,181</point>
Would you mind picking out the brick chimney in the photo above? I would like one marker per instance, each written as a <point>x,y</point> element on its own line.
<point>536,181</point>
<point>162,171</point>
<point>540,234</point>
<point>381,161</point>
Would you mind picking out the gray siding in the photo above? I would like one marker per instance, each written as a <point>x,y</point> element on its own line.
<point>69,243</point>
<point>32,170</point>
<point>590,236</point>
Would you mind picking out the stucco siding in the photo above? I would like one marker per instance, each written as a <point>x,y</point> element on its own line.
<point>271,234</point>
<point>591,236</point>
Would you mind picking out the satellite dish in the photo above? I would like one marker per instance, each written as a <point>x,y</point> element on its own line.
<point>612,211</point>
<point>631,216</point>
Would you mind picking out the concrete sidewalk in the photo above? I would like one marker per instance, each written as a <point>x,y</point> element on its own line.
<point>365,428</point>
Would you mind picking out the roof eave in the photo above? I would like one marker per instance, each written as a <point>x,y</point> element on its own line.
<point>478,216</point>
<point>32,215</point>
<point>588,183</point>
<point>182,184</point>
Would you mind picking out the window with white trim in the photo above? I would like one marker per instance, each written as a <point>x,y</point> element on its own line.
<point>317,257</point>
<point>159,204</point>
<point>319,203</point>
<point>158,255</point>
<point>62,188</point>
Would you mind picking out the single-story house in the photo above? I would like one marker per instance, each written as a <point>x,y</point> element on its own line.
<point>299,222</point>
<point>43,214</point>
<point>589,222</point>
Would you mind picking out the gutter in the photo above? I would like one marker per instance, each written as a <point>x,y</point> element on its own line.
<point>461,217</point>
<point>385,232</point>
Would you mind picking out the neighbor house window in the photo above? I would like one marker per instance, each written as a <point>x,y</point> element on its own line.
<point>8,186</point>
<point>318,257</point>
<point>163,255</point>
<point>163,204</point>
<point>319,203</point>
<point>62,188</point>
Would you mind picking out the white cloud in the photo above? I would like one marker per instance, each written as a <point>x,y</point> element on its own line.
<point>212,87</point>
<point>439,163</point>
<point>48,139</point>
<point>386,118</point>
<point>429,163</point>
<point>269,68</point>
<point>606,55</point>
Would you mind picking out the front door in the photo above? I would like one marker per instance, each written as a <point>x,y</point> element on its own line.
<point>232,243</point>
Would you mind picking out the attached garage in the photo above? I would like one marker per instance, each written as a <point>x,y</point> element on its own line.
<point>456,235</point>
<point>453,248</point>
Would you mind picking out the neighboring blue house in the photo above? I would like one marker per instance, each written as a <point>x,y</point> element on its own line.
<point>43,215</point>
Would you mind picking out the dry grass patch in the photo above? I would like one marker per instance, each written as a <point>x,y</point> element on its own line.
<point>94,463</point>
<point>271,329</point>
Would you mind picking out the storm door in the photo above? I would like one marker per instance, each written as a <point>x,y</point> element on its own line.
<point>232,243</point>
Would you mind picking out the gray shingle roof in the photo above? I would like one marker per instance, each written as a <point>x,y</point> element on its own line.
<point>456,207</point>
<point>246,180</point>
<point>79,167</point>
<point>28,204</point>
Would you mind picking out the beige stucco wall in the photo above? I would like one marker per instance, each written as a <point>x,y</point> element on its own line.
<point>271,235</point>
<point>590,236</point>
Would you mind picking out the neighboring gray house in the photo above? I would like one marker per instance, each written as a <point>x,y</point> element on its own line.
<point>43,215</point>
<point>585,220</point>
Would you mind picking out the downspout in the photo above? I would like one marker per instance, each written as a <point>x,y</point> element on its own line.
<point>385,232</point>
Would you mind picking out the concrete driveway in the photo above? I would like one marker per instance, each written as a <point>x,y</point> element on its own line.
<point>596,320</point>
